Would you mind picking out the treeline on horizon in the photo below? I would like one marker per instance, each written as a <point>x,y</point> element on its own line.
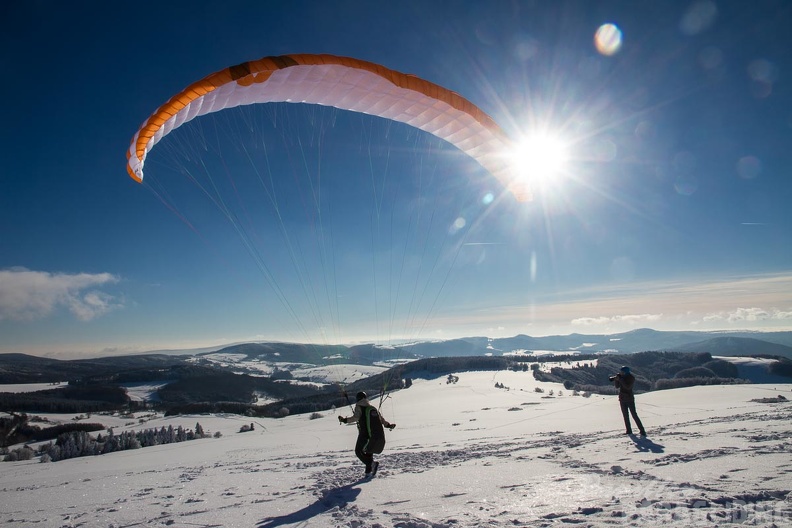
<point>654,370</point>
<point>77,442</point>
<point>70,399</point>
<point>200,389</point>
<point>17,428</point>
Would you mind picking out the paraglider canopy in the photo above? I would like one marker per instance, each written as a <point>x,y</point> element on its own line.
<point>344,83</point>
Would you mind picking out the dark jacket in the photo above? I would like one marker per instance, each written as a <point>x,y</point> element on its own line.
<point>363,418</point>
<point>371,432</point>
<point>625,382</point>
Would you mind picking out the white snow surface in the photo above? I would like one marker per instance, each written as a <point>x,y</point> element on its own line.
<point>31,387</point>
<point>463,455</point>
<point>337,373</point>
<point>144,391</point>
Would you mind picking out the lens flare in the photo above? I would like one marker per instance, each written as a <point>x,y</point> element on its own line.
<point>608,39</point>
<point>749,167</point>
<point>457,226</point>
<point>699,17</point>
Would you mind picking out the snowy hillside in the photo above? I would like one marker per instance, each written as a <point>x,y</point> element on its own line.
<point>755,369</point>
<point>463,454</point>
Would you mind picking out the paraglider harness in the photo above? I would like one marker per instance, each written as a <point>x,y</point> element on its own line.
<point>369,426</point>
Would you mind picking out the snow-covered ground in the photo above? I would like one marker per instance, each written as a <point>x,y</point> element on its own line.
<point>30,387</point>
<point>338,373</point>
<point>144,391</point>
<point>465,454</point>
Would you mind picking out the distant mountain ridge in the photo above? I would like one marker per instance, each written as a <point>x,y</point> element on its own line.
<point>645,339</point>
<point>641,340</point>
<point>736,346</point>
<point>22,368</point>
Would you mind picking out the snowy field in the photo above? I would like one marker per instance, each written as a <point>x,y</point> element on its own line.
<point>338,373</point>
<point>319,375</point>
<point>31,387</point>
<point>144,391</point>
<point>462,455</point>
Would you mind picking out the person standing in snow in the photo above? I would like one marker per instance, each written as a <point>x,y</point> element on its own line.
<point>371,435</point>
<point>624,381</point>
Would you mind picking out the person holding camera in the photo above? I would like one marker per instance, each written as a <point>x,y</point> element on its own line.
<point>371,434</point>
<point>624,381</point>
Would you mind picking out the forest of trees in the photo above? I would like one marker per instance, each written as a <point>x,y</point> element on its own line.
<point>68,399</point>
<point>652,371</point>
<point>782,367</point>
<point>79,443</point>
<point>17,428</point>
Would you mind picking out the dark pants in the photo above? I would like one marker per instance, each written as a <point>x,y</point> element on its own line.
<point>366,458</point>
<point>630,406</point>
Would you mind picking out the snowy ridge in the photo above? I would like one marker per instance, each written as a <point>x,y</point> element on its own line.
<point>465,455</point>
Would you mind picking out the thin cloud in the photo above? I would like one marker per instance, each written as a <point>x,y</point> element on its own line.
<point>717,304</point>
<point>748,314</point>
<point>27,295</point>
<point>782,315</point>
<point>617,319</point>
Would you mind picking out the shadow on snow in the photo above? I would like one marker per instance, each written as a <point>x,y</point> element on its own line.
<point>337,497</point>
<point>646,445</point>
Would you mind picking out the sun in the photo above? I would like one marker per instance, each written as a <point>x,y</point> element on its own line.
<point>540,159</point>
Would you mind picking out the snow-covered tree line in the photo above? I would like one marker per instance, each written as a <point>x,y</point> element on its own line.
<point>80,443</point>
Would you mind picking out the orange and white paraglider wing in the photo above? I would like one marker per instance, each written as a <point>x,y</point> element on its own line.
<point>344,83</point>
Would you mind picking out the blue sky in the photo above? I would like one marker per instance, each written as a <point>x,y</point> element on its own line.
<point>671,211</point>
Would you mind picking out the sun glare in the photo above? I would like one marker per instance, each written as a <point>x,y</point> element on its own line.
<point>539,159</point>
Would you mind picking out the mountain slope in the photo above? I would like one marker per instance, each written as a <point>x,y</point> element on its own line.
<point>737,346</point>
<point>641,340</point>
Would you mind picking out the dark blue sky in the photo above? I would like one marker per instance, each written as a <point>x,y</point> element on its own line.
<point>672,212</point>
